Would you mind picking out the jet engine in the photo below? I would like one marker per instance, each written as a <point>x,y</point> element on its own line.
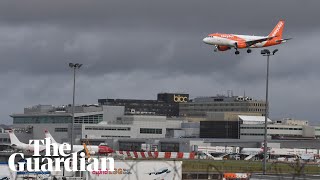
<point>241,44</point>
<point>223,48</point>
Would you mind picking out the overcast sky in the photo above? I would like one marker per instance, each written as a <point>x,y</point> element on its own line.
<point>137,48</point>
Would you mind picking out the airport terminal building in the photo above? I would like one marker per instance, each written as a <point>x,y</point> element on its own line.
<point>134,124</point>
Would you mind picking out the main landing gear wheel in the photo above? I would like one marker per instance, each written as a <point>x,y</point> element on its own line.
<point>237,52</point>
<point>249,51</point>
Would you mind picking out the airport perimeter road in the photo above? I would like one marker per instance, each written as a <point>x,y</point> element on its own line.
<point>282,177</point>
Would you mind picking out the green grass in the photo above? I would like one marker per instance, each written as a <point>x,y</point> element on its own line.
<point>247,166</point>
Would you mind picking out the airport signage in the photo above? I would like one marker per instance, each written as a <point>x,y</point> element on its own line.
<point>137,170</point>
<point>235,175</point>
<point>56,154</point>
<point>180,98</point>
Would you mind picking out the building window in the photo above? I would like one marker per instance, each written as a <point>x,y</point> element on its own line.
<point>60,129</point>
<point>42,119</point>
<point>91,119</point>
<point>150,131</point>
<point>130,146</point>
<point>107,136</point>
<point>108,128</point>
<point>169,147</point>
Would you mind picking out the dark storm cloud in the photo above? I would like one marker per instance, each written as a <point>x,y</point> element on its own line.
<point>135,49</point>
<point>166,14</point>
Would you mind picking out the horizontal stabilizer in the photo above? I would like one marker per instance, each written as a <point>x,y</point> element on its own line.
<point>283,40</point>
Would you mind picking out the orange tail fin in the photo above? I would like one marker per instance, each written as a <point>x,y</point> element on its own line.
<point>277,30</point>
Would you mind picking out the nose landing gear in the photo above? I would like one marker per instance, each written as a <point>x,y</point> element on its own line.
<point>215,48</point>
<point>249,51</point>
<point>237,52</point>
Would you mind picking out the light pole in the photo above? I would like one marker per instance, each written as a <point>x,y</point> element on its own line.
<point>74,67</point>
<point>266,52</point>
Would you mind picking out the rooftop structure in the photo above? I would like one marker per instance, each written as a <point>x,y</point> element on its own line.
<point>198,107</point>
<point>253,119</point>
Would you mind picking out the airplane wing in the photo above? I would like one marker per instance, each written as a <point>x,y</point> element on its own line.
<point>250,43</point>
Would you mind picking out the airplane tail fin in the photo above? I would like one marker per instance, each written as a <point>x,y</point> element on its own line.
<point>277,30</point>
<point>48,135</point>
<point>13,138</point>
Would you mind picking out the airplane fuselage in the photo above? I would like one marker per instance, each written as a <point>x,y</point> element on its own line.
<point>27,147</point>
<point>251,151</point>
<point>231,39</point>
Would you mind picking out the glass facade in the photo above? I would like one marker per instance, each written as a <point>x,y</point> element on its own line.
<point>108,128</point>
<point>41,119</point>
<point>145,107</point>
<point>169,147</point>
<point>60,129</point>
<point>219,129</point>
<point>275,128</point>
<point>4,140</point>
<point>130,146</point>
<point>150,131</point>
<point>114,136</point>
<point>91,119</point>
<point>200,108</point>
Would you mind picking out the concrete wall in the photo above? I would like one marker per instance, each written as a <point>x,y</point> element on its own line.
<point>273,129</point>
<point>136,123</point>
<point>227,116</point>
<point>308,131</point>
<point>110,113</point>
<point>37,132</point>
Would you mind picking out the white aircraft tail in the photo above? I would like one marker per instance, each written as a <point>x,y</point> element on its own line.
<point>48,135</point>
<point>13,138</point>
<point>249,157</point>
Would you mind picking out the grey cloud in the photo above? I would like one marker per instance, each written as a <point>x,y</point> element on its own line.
<point>134,49</point>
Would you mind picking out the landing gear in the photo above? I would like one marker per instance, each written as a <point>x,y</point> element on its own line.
<point>236,47</point>
<point>248,50</point>
<point>215,48</point>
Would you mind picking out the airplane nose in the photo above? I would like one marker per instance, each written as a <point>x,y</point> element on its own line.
<point>206,40</point>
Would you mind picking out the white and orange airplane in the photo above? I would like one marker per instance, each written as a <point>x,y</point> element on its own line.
<point>224,42</point>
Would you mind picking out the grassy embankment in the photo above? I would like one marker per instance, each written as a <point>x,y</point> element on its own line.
<point>248,167</point>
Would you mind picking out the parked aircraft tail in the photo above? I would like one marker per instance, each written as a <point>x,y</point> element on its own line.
<point>13,138</point>
<point>48,135</point>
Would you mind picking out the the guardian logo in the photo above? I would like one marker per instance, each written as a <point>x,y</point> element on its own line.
<point>71,161</point>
